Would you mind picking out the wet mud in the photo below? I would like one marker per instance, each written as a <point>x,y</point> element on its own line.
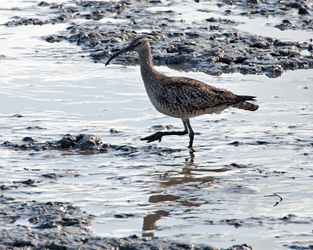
<point>212,45</point>
<point>59,225</point>
<point>82,143</point>
<point>91,144</point>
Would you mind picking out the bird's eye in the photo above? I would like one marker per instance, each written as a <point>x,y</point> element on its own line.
<point>139,43</point>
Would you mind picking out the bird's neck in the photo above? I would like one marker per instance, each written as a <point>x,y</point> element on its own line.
<point>148,73</point>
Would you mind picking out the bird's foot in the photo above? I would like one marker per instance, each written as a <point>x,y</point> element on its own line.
<point>191,150</point>
<point>156,136</point>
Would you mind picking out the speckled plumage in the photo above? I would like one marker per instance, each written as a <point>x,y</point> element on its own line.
<point>181,97</point>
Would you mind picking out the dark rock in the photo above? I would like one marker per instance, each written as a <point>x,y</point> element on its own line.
<point>161,127</point>
<point>192,34</point>
<point>53,39</point>
<point>274,71</point>
<point>236,165</point>
<point>213,59</point>
<point>288,217</point>
<point>18,115</point>
<point>303,11</point>
<point>51,176</point>
<point>28,139</point>
<point>240,59</point>
<point>68,141</point>
<point>87,142</point>
<point>294,5</point>
<point>289,64</point>
<point>284,52</point>
<point>25,21</point>
<point>215,52</point>
<point>177,59</point>
<point>105,148</point>
<point>172,49</point>
<point>260,45</point>
<point>67,221</point>
<point>24,146</point>
<point>34,127</point>
<point>22,243</point>
<point>4,187</point>
<point>286,24</point>
<point>98,55</point>
<point>211,20</point>
<point>233,222</point>
<point>262,142</point>
<point>252,1</point>
<point>227,60</point>
<point>235,143</point>
<point>114,131</point>
<point>27,182</point>
<point>43,3</point>
<point>123,216</point>
<point>124,148</point>
<point>8,144</point>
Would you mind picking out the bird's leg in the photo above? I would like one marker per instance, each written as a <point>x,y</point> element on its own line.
<point>191,133</point>
<point>158,135</point>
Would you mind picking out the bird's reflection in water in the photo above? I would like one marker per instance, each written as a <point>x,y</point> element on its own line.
<point>188,179</point>
<point>149,222</point>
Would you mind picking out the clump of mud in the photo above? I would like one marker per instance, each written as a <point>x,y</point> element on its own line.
<point>81,143</point>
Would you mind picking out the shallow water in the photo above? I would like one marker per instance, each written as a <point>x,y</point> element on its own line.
<point>262,26</point>
<point>223,194</point>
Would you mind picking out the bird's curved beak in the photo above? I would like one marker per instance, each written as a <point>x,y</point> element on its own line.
<point>122,51</point>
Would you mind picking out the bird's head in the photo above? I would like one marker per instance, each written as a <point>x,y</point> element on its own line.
<point>139,44</point>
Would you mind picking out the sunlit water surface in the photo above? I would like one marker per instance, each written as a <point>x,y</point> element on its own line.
<point>222,195</point>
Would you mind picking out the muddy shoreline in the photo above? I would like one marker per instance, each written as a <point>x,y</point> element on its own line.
<point>212,45</point>
<point>59,225</point>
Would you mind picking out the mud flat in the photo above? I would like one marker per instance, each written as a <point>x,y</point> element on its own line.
<point>59,225</point>
<point>213,45</point>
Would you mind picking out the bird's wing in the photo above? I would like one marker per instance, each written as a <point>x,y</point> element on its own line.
<point>193,94</point>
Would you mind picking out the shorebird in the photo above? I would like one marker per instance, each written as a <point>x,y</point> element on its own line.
<point>181,97</point>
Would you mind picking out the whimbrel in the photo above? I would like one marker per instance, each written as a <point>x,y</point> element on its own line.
<point>181,97</point>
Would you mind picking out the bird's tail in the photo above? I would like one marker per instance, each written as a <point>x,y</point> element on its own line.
<point>246,106</point>
<point>242,104</point>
